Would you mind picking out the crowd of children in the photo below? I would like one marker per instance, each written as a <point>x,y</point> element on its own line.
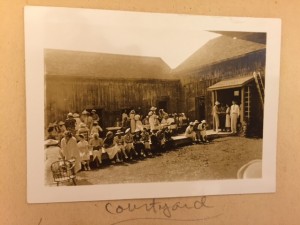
<point>83,139</point>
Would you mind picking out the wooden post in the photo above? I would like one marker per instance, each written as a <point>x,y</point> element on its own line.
<point>242,110</point>
<point>212,104</point>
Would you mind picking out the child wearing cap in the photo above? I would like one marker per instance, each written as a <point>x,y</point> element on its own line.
<point>189,132</point>
<point>145,138</point>
<point>95,116</point>
<point>128,139</point>
<point>83,130</point>
<point>83,147</point>
<point>96,129</point>
<point>61,130</point>
<point>111,148</point>
<point>119,140</point>
<point>138,144</point>
<point>202,127</point>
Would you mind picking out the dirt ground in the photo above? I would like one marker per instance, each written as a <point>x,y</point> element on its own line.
<point>219,159</point>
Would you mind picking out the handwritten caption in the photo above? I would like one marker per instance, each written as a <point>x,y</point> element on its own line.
<point>157,207</point>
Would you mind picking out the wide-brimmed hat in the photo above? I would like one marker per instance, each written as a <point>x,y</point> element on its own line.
<point>81,135</point>
<point>150,113</point>
<point>196,121</point>
<point>109,133</point>
<point>51,125</point>
<point>217,103</point>
<point>61,123</point>
<point>95,123</point>
<point>85,112</point>
<point>119,132</point>
<point>70,114</point>
<point>203,121</point>
<point>95,134</point>
<point>93,111</point>
<point>153,108</point>
<point>191,123</point>
<point>76,115</point>
<point>132,112</point>
<point>68,133</point>
<point>82,125</point>
<point>127,130</point>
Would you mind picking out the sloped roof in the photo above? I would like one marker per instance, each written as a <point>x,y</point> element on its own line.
<point>258,37</point>
<point>104,65</point>
<point>231,83</point>
<point>217,50</point>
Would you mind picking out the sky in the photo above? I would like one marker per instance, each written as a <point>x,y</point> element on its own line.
<point>173,38</point>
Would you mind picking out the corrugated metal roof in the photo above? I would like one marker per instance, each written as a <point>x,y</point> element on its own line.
<point>231,83</point>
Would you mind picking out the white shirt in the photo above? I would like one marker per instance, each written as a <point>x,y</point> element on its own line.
<point>235,109</point>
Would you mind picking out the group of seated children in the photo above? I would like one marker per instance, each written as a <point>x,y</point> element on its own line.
<point>122,146</point>
<point>197,131</point>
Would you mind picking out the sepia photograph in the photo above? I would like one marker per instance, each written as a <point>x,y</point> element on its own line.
<point>158,105</point>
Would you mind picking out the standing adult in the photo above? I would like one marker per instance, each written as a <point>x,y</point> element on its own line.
<point>227,122</point>
<point>234,114</point>
<point>138,122</point>
<point>87,119</point>
<point>124,118</point>
<point>132,121</point>
<point>78,121</point>
<point>95,116</point>
<point>222,116</point>
<point>216,113</point>
<point>152,117</point>
<point>52,154</point>
<point>70,123</point>
<point>70,150</point>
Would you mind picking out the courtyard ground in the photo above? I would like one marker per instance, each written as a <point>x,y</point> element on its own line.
<point>219,159</point>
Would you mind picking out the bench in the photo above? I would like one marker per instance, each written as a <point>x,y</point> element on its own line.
<point>180,140</point>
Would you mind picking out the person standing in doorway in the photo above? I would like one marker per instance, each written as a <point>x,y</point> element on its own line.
<point>227,123</point>
<point>234,114</point>
<point>216,113</point>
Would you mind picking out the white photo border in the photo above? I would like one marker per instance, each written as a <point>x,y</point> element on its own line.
<point>37,21</point>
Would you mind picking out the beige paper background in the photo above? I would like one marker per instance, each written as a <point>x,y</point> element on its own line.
<point>279,208</point>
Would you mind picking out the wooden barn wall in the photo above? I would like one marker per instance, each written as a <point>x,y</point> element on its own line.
<point>73,94</point>
<point>195,83</point>
<point>255,125</point>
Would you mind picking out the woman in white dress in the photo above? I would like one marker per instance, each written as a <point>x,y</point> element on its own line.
<point>132,121</point>
<point>70,150</point>
<point>111,148</point>
<point>83,147</point>
<point>227,121</point>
